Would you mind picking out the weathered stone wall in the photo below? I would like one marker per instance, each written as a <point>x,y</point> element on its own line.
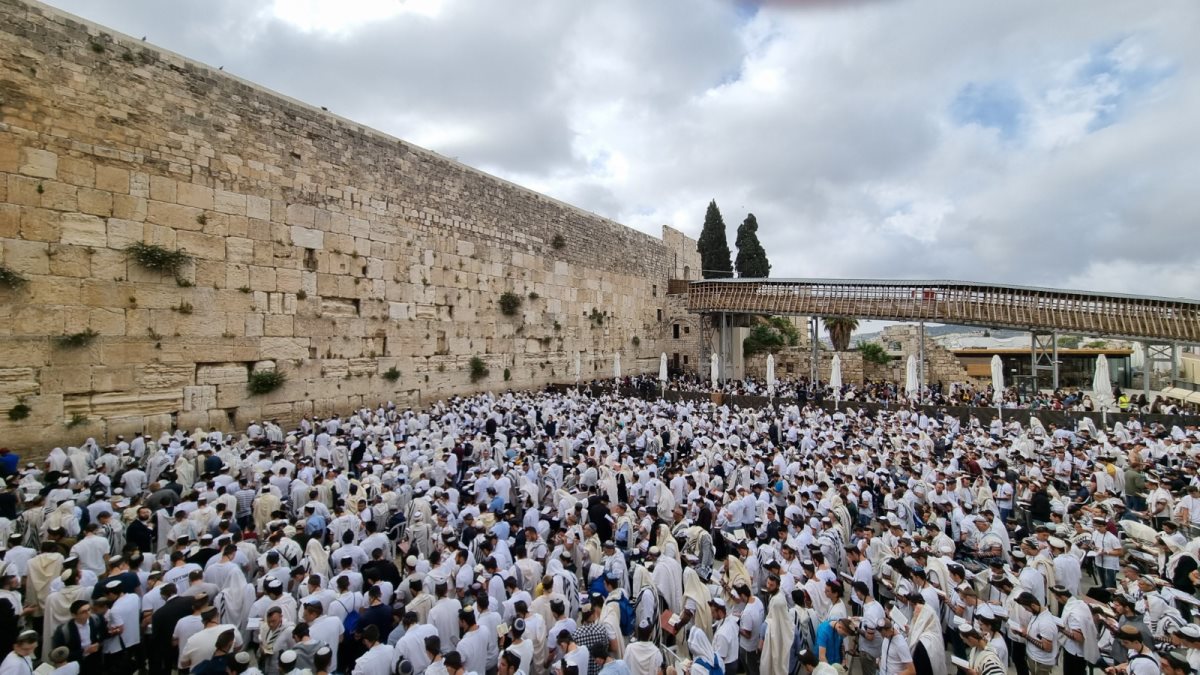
<point>795,362</point>
<point>321,248</point>
<point>941,365</point>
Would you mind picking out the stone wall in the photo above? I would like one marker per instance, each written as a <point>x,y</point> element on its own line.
<point>941,365</point>
<point>796,362</point>
<point>319,247</point>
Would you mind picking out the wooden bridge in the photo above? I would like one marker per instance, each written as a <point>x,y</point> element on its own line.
<point>1038,310</point>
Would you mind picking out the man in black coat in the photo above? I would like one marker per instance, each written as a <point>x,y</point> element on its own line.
<point>162,654</point>
<point>82,636</point>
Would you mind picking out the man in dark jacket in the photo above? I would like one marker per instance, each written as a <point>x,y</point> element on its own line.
<point>81,636</point>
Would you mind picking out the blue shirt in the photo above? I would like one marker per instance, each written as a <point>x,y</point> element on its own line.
<point>827,637</point>
<point>315,524</point>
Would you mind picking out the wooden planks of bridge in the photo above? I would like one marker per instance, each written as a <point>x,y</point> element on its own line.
<point>1166,320</point>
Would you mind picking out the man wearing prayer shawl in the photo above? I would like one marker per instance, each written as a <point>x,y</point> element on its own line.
<point>925,636</point>
<point>779,634</point>
<point>1081,648</point>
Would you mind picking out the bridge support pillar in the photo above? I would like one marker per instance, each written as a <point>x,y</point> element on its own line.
<point>1158,353</point>
<point>814,335</point>
<point>1044,357</point>
<point>921,362</point>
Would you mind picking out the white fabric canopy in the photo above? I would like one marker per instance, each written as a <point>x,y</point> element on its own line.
<point>911,386</point>
<point>713,369</point>
<point>997,379</point>
<point>770,374</point>
<point>1102,393</point>
<point>835,376</point>
<point>617,365</point>
<point>577,369</point>
<point>662,367</point>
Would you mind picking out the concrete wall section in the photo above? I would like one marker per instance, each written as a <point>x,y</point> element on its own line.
<point>321,248</point>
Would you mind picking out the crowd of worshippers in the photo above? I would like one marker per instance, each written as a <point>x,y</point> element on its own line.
<point>558,533</point>
<point>939,394</point>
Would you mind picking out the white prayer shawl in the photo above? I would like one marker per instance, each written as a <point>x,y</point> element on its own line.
<point>43,568</point>
<point>643,658</point>
<point>58,611</point>
<point>699,647</point>
<point>317,558</point>
<point>668,579</point>
<point>235,599</point>
<point>1079,609</point>
<point>697,591</point>
<point>777,638</point>
<point>927,628</point>
<point>610,615</point>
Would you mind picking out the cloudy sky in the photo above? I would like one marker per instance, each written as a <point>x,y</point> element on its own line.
<point>1021,141</point>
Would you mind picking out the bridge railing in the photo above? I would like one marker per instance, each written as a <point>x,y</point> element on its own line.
<point>957,302</point>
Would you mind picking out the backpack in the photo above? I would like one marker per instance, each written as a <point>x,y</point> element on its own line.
<point>627,617</point>
<point>350,623</point>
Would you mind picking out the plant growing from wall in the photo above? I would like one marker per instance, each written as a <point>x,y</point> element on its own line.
<point>77,420</point>
<point>477,368</point>
<point>19,411</point>
<point>158,258</point>
<point>507,375</point>
<point>9,278</point>
<point>391,374</point>
<point>873,352</point>
<point>76,340</point>
<point>510,303</point>
<point>533,295</point>
<point>559,242</point>
<point>264,381</point>
<point>636,341</point>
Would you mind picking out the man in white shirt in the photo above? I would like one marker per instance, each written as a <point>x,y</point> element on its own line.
<point>1041,634</point>
<point>750,629</point>
<point>377,660</point>
<point>725,634</point>
<point>92,550</point>
<point>411,647</point>
<point>895,655</point>
<point>322,627</point>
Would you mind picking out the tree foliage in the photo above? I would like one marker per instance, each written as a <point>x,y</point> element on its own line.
<point>839,329</point>
<point>751,258</point>
<point>1069,341</point>
<point>770,336</point>
<point>715,261</point>
<point>873,352</point>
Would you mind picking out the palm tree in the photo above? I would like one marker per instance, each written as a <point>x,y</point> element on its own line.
<point>839,329</point>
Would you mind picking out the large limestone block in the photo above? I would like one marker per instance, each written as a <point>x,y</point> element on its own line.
<point>221,373</point>
<point>112,179</point>
<point>165,375</point>
<point>280,348</point>
<point>200,245</point>
<point>190,194</point>
<point>308,238</point>
<point>199,398</point>
<point>83,230</point>
<point>108,378</point>
<point>230,202</point>
<point>18,382</point>
<point>65,379</point>
<point>38,163</point>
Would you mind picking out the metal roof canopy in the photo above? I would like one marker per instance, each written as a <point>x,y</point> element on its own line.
<point>1156,319</point>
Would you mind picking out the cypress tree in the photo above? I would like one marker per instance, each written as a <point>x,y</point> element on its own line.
<point>751,258</point>
<point>715,259</point>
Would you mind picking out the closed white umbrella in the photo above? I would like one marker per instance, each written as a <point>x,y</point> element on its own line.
<point>911,386</point>
<point>617,365</point>
<point>835,379</point>
<point>998,384</point>
<point>713,370</point>
<point>997,380</point>
<point>662,367</point>
<point>577,368</point>
<point>771,375</point>
<point>1102,393</point>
